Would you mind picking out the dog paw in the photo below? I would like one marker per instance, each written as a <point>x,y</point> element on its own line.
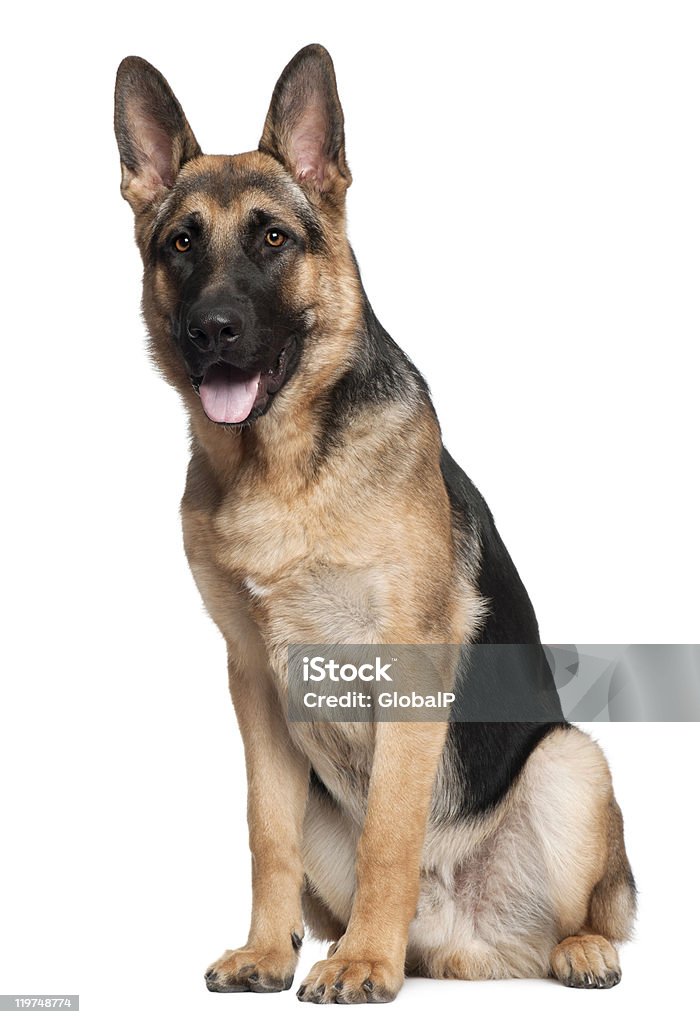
<point>253,970</point>
<point>586,961</point>
<point>343,979</point>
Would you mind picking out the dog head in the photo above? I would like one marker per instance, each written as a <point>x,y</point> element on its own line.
<point>245,256</point>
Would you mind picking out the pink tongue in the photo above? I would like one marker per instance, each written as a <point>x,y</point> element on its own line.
<point>228,395</point>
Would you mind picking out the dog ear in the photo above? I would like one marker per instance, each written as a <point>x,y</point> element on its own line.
<point>304,125</point>
<point>152,132</point>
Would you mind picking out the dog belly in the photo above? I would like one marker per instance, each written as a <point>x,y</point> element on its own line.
<point>484,898</point>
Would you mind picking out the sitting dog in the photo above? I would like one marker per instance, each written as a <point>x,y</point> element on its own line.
<point>321,507</point>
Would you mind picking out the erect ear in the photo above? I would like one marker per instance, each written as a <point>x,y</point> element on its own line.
<point>152,132</point>
<point>304,125</point>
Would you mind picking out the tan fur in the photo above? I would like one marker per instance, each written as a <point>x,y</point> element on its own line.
<point>361,548</point>
<point>274,559</point>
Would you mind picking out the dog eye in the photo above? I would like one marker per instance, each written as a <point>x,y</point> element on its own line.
<point>182,243</point>
<point>275,238</point>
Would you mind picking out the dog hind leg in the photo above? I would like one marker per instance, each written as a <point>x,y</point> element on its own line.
<point>589,959</point>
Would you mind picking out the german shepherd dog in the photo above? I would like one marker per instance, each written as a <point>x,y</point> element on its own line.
<point>321,507</point>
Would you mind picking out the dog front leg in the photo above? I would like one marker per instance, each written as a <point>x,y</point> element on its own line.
<point>367,964</point>
<point>278,776</point>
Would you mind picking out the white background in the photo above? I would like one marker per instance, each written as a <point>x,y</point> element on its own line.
<point>526,215</point>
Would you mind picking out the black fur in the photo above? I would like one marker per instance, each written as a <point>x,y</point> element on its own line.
<point>513,675</point>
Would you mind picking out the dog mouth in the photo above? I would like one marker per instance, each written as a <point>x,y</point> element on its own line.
<point>233,396</point>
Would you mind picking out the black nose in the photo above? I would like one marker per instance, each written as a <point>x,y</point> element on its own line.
<point>210,329</point>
